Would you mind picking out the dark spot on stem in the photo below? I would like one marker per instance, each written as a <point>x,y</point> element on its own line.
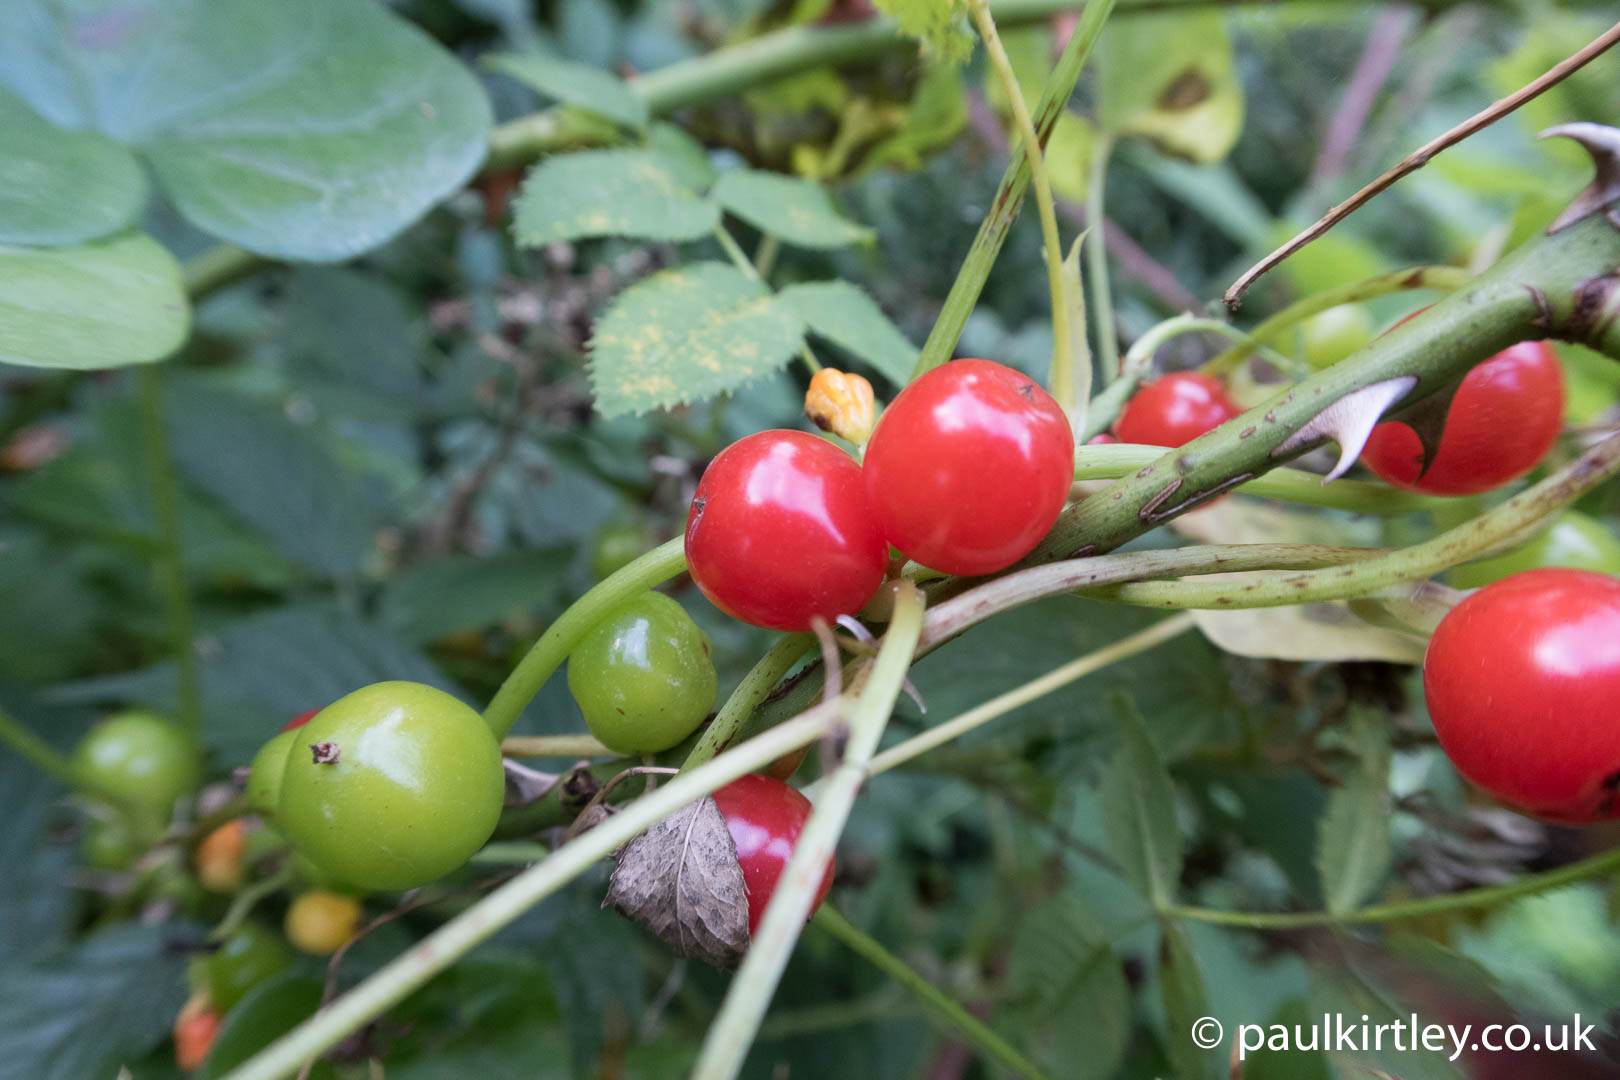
<point>1246,432</point>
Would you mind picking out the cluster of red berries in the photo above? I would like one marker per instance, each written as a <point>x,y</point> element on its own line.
<point>964,473</point>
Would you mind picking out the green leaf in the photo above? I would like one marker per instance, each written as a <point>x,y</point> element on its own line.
<point>688,334</point>
<point>267,1012</point>
<point>1185,1003</point>
<point>434,599</point>
<point>82,1010</point>
<point>795,211</point>
<point>581,85</point>
<point>684,155</point>
<point>1170,77</point>
<point>1346,994</point>
<point>609,193</point>
<point>304,129</point>
<point>843,314</point>
<point>1078,345</point>
<point>275,475</point>
<point>36,911</point>
<point>106,304</point>
<point>936,114</point>
<point>1069,992</point>
<point>941,26</point>
<point>1068,155</point>
<point>1139,811</point>
<point>1353,848</point>
<point>62,187</point>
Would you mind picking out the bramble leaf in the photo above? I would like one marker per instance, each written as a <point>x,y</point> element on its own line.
<point>795,211</point>
<point>686,335</point>
<point>581,85</point>
<point>843,314</point>
<point>609,193</point>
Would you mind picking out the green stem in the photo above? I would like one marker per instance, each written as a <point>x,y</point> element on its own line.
<point>559,746</point>
<point>1369,576</point>
<point>245,901</point>
<point>954,1016</point>
<point>219,267</point>
<point>1061,379</point>
<point>1102,297</point>
<point>510,853</point>
<point>750,694</point>
<point>964,295</point>
<point>1531,293</point>
<point>171,564</point>
<point>1111,461</point>
<point>400,978</point>
<point>546,655</point>
<point>765,255</point>
<point>1596,866</point>
<point>734,252</point>
<point>732,1033</point>
<point>45,756</point>
<point>1446,278</point>
<point>940,734</point>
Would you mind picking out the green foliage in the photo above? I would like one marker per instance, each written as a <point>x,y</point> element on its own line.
<point>1070,994</point>
<point>103,304</point>
<point>581,85</point>
<point>850,319</point>
<point>1139,810</point>
<point>796,211</point>
<point>610,193</point>
<point>84,1009</point>
<point>1170,77</point>
<point>941,26</point>
<point>221,101</point>
<point>62,187</point>
<point>1353,847</point>
<point>688,334</point>
<point>1185,1003</point>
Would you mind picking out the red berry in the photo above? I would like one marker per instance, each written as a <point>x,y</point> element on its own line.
<point>1175,410</point>
<point>1522,680</point>
<point>1504,419</point>
<point>765,817</point>
<point>780,532</point>
<point>969,467</point>
<point>300,720</point>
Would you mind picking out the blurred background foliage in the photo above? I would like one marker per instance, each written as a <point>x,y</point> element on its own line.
<point>391,469</point>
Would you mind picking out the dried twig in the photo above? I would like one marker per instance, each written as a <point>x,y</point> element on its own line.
<point>1421,157</point>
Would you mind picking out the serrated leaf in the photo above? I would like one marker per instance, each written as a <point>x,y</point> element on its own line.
<point>688,334</point>
<point>1139,811</point>
<point>305,129</point>
<point>795,211</point>
<point>432,600</point>
<point>1343,993</point>
<point>82,1010</point>
<point>681,880</point>
<point>572,83</point>
<point>259,670</point>
<point>106,304</point>
<point>1069,992</point>
<point>1353,847</point>
<point>609,193</point>
<point>941,26</point>
<point>274,474</point>
<point>684,155</point>
<point>843,314</point>
<point>62,187</point>
<point>1170,77</point>
<point>1185,1003</point>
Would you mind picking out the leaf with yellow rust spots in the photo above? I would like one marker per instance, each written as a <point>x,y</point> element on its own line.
<point>688,334</point>
<point>631,193</point>
<point>797,212</point>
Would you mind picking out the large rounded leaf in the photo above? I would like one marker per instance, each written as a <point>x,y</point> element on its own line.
<point>62,187</point>
<point>307,129</point>
<point>106,304</point>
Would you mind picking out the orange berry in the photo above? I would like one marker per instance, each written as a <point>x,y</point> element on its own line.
<point>195,1029</point>
<point>841,403</point>
<point>219,857</point>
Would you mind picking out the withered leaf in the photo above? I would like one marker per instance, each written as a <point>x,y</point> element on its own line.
<point>681,880</point>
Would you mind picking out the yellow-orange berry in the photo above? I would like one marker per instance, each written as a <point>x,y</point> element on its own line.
<point>195,1029</point>
<point>219,857</point>
<point>319,923</point>
<point>841,403</point>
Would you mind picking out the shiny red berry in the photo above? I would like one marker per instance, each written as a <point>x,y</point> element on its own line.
<point>1522,680</point>
<point>780,532</point>
<point>300,720</point>
<point>1503,420</point>
<point>765,817</point>
<point>969,467</point>
<point>1175,410</point>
